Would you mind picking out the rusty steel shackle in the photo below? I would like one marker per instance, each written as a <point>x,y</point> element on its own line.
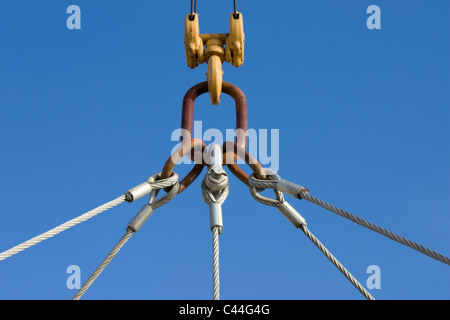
<point>185,148</point>
<point>191,146</point>
<point>187,113</point>
<point>253,163</point>
<point>238,148</point>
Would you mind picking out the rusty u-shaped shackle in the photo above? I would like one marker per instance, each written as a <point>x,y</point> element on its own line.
<point>189,146</point>
<point>187,114</point>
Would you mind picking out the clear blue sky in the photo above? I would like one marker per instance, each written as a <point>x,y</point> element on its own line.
<point>364,124</point>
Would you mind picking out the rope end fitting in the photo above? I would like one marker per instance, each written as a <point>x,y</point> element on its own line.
<point>215,216</point>
<point>291,189</point>
<point>140,218</point>
<point>291,214</point>
<point>152,186</point>
<point>138,192</point>
<point>279,187</point>
<point>215,187</point>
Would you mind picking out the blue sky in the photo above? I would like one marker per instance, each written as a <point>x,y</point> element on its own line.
<point>363,117</point>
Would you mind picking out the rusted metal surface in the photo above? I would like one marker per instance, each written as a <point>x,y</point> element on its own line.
<point>185,149</point>
<point>231,150</point>
<point>187,114</point>
<point>194,148</point>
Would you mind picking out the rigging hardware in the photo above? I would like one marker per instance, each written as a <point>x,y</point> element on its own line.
<point>214,49</point>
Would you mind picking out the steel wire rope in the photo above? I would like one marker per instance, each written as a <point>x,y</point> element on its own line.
<point>129,232</point>
<point>302,193</point>
<point>299,222</point>
<point>336,263</point>
<point>103,265</point>
<point>69,224</point>
<point>376,228</point>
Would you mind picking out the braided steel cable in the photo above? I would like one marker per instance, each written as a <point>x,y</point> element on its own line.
<point>155,185</point>
<point>61,228</point>
<point>373,227</point>
<point>302,193</point>
<point>336,263</point>
<point>215,198</point>
<point>292,215</point>
<point>129,232</point>
<point>167,197</point>
<point>104,264</point>
<point>163,183</point>
<point>216,277</point>
<point>210,197</point>
<point>215,189</point>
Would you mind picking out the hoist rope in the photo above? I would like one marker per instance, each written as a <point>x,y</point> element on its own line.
<point>334,261</point>
<point>373,227</point>
<point>104,264</point>
<point>61,228</point>
<point>193,9</point>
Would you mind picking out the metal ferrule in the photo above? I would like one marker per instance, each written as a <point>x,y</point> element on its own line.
<point>138,192</point>
<point>289,188</point>
<point>215,216</point>
<point>291,214</point>
<point>140,218</point>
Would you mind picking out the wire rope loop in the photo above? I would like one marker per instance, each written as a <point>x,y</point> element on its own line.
<point>197,146</point>
<point>279,197</point>
<point>231,152</point>
<point>157,183</point>
<point>210,197</point>
<point>271,181</point>
<point>156,203</point>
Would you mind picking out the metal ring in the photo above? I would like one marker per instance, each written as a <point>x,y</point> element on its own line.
<point>183,150</point>
<point>271,181</point>
<point>232,147</point>
<point>187,114</point>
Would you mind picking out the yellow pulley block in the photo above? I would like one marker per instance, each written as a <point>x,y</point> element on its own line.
<point>214,49</point>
